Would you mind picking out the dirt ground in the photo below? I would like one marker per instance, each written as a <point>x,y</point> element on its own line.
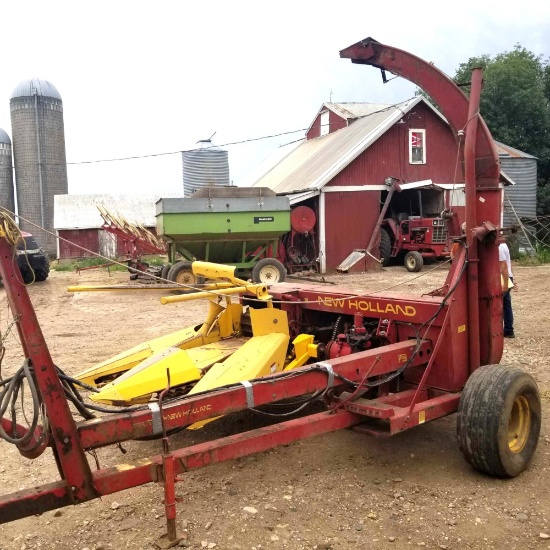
<point>342,490</point>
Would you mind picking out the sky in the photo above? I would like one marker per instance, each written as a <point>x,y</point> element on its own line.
<point>152,78</point>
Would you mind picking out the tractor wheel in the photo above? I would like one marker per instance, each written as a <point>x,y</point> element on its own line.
<point>385,247</point>
<point>27,274</point>
<point>182,273</point>
<point>164,271</point>
<point>413,261</point>
<point>41,274</point>
<point>268,271</point>
<point>498,421</point>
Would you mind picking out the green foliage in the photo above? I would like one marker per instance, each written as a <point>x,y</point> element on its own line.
<point>514,100</point>
<point>542,256</point>
<point>543,200</point>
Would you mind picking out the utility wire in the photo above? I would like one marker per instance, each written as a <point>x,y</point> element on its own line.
<point>152,155</point>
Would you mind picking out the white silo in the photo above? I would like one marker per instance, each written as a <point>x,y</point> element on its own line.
<point>7,197</point>
<point>39,154</point>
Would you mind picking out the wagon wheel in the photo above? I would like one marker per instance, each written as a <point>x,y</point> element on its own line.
<point>498,421</point>
<point>413,261</point>
<point>164,271</point>
<point>268,271</point>
<point>182,273</point>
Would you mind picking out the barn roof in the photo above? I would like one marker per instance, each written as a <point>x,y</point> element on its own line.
<point>81,212</point>
<point>311,164</point>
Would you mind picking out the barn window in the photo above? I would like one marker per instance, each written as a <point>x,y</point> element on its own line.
<point>417,146</point>
<point>325,126</point>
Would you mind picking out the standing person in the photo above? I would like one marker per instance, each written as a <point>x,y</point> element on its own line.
<point>506,273</point>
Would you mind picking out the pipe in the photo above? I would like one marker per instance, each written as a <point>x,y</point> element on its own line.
<point>377,229</point>
<point>471,221</point>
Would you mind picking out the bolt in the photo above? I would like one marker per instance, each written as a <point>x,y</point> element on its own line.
<point>66,440</point>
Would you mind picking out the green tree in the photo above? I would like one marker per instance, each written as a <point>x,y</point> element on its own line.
<point>515,103</point>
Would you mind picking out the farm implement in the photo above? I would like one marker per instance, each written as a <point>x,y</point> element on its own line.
<point>379,362</point>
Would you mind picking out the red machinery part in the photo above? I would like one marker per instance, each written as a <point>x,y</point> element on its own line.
<point>302,219</point>
<point>432,357</point>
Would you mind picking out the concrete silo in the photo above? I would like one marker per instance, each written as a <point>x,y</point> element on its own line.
<point>7,199</point>
<point>39,153</point>
<point>204,166</point>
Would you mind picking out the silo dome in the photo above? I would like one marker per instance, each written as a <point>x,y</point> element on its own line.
<point>205,166</point>
<point>4,138</point>
<point>38,136</point>
<point>37,86</point>
<point>7,197</point>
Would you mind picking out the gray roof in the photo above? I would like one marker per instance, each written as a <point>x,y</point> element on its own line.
<point>313,163</point>
<point>81,212</point>
<point>37,86</point>
<point>4,138</point>
<point>507,151</point>
<point>349,110</point>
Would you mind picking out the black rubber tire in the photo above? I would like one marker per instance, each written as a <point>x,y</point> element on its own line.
<point>268,271</point>
<point>182,273</point>
<point>385,247</point>
<point>27,275</point>
<point>413,261</point>
<point>41,274</point>
<point>494,401</point>
<point>165,270</point>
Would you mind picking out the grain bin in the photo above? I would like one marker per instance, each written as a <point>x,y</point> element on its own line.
<point>7,198</point>
<point>39,154</point>
<point>521,168</point>
<point>204,166</point>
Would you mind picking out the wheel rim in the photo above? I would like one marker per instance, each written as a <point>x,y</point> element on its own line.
<point>185,278</point>
<point>519,424</point>
<point>411,263</point>
<point>269,274</point>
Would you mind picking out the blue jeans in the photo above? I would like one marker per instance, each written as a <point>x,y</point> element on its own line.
<point>508,314</point>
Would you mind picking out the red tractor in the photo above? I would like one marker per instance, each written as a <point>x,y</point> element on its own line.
<point>415,238</point>
<point>414,232</point>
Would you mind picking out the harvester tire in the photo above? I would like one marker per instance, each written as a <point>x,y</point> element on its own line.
<point>498,421</point>
<point>268,271</point>
<point>385,247</point>
<point>182,273</point>
<point>413,261</point>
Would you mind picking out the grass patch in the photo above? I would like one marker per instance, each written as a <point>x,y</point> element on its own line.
<point>542,256</point>
<point>86,262</point>
<point>91,262</point>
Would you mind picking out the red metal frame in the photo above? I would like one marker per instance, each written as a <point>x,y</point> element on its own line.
<point>431,375</point>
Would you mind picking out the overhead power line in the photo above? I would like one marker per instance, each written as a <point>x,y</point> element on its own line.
<point>152,155</point>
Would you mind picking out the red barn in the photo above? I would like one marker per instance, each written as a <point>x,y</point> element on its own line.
<point>351,154</point>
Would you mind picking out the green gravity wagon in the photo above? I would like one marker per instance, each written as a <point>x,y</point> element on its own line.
<point>238,226</point>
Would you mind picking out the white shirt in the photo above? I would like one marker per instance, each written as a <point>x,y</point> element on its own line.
<point>504,256</point>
